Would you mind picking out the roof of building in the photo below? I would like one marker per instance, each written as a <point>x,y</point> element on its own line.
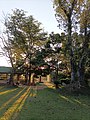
<point>5,70</point>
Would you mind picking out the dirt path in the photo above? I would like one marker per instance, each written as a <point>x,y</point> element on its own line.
<point>43,85</point>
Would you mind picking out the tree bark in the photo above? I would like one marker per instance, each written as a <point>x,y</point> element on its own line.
<point>10,81</point>
<point>26,78</point>
<point>71,52</point>
<point>81,72</point>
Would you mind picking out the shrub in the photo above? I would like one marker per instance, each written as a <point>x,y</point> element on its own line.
<point>56,83</point>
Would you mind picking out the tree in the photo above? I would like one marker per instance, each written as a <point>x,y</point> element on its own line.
<point>85,30</point>
<point>8,51</point>
<point>52,50</point>
<point>68,14</point>
<point>26,35</point>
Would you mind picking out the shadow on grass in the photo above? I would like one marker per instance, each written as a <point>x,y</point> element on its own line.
<point>46,104</point>
<point>75,92</point>
<point>14,103</point>
<point>80,97</point>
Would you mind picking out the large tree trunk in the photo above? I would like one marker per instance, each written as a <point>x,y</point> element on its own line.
<point>71,51</point>
<point>40,79</point>
<point>10,81</point>
<point>18,79</point>
<point>81,65</point>
<point>32,81</point>
<point>73,70</point>
<point>26,78</point>
<point>81,71</point>
<point>29,81</point>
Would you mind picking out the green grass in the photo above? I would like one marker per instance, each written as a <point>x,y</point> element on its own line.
<point>46,104</point>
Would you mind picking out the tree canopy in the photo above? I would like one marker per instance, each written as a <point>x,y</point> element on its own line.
<point>22,39</point>
<point>73,17</point>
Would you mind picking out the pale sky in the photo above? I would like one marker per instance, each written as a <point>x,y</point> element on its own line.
<point>42,10</point>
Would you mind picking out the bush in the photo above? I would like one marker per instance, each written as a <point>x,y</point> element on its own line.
<point>56,83</point>
<point>66,81</point>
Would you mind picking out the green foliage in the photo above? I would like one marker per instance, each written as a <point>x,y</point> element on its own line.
<point>56,82</point>
<point>25,38</point>
<point>71,15</point>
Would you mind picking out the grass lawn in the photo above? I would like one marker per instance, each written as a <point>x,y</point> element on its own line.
<point>26,103</point>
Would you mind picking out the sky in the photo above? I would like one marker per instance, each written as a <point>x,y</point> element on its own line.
<point>42,10</point>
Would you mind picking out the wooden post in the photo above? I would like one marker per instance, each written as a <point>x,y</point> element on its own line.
<point>49,78</point>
